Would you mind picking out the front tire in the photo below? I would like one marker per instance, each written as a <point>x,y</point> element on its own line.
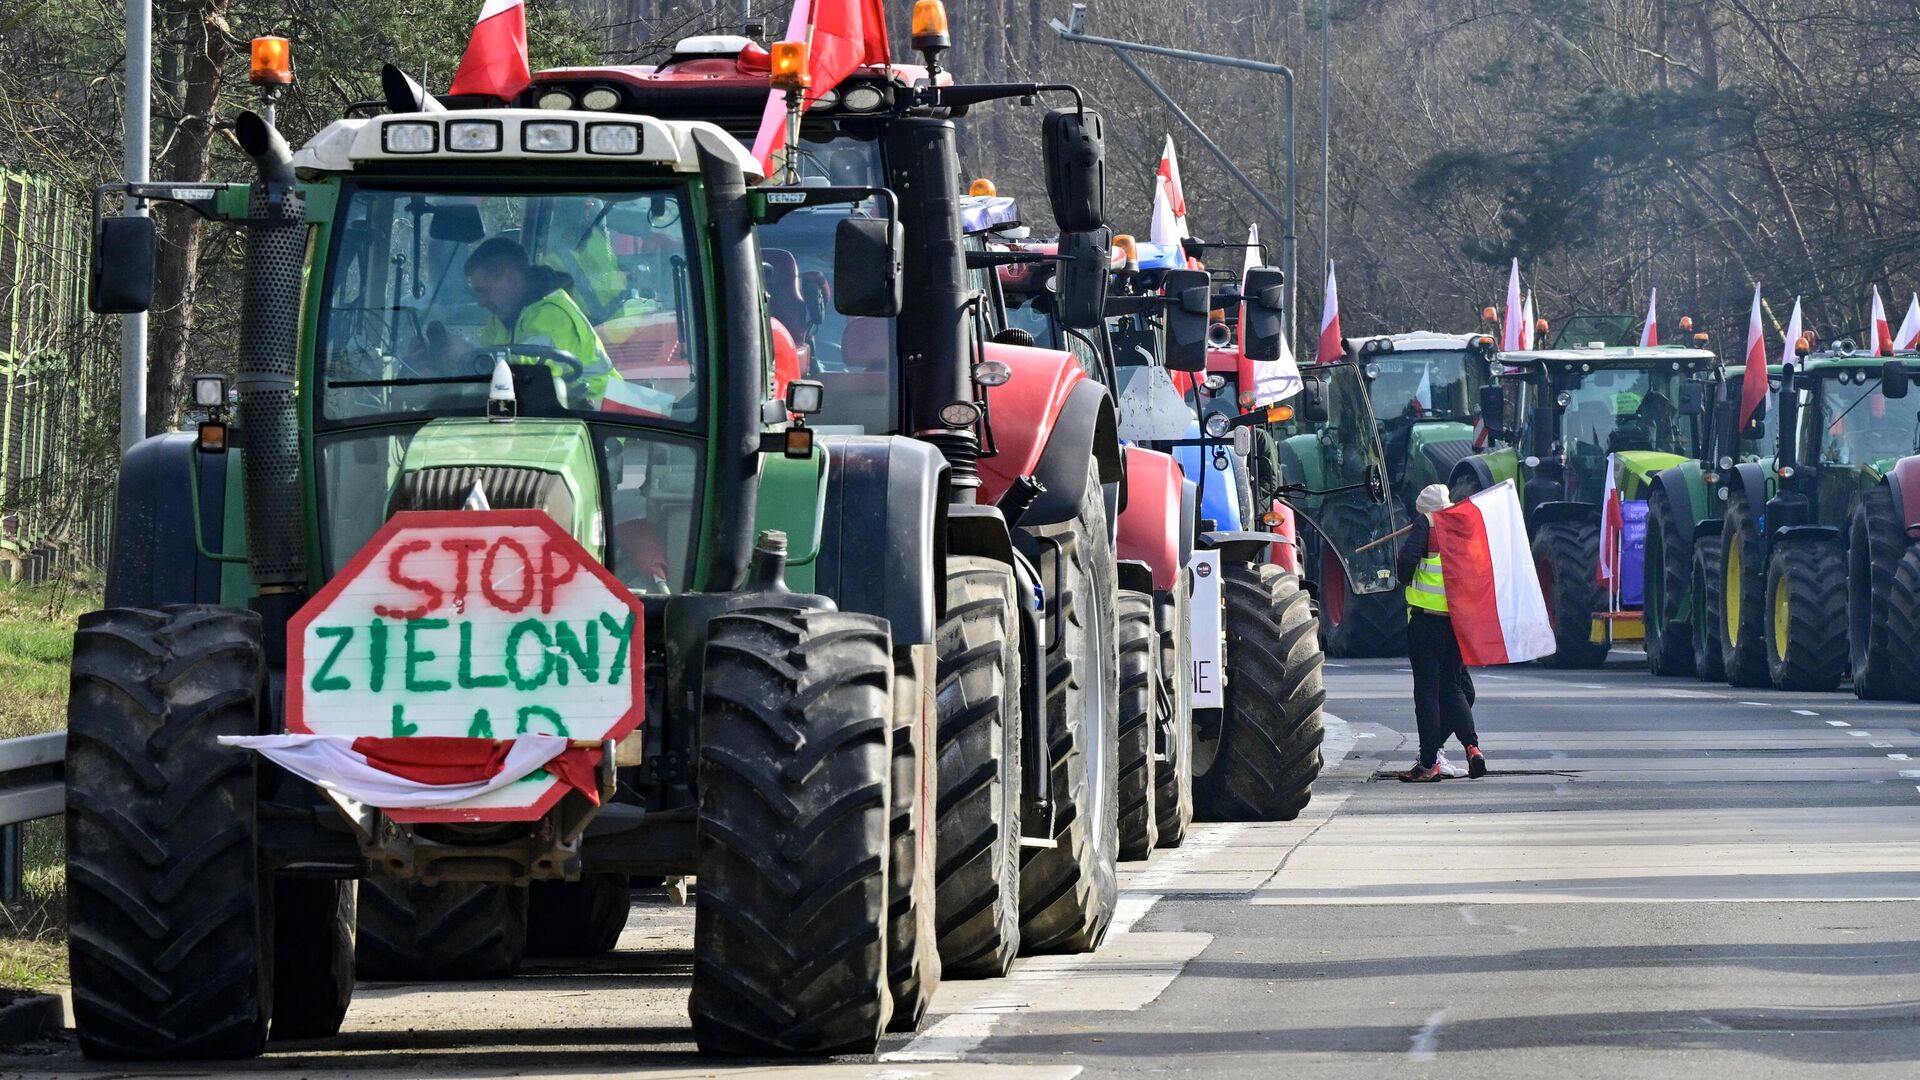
<point>168,918</point>
<point>1669,583</point>
<point>1139,719</point>
<point>577,918</point>
<point>1806,619</point>
<point>1743,592</point>
<point>1708,663</point>
<point>1266,752</point>
<point>1173,783</point>
<point>790,919</point>
<point>313,976</point>
<point>1903,624</point>
<point>410,932</point>
<point>1875,543</point>
<point>977,903</point>
<point>1565,555</point>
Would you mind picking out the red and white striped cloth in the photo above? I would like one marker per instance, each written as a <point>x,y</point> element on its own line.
<point>1882,333</point>
<point>1332,348</point>
<point>1611,525</point>
<point>424,771</point>
<point>1511,339</point>
<point>1493,594</point>
<point>1650,330</point>
<point>1753,376</point>
<point>495,63</point>
<point>1908,335</point>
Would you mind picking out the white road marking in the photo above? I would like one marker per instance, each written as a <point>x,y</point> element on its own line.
<point>1427,1039</point>
<point>1467,916</point>
<point>1880,744</point>
<point>1129,909</point>
<point>1835,723</point>
<point>1862,734</point>
<point>1338,741</point>
<point>1898,757</point>
<point>1762,704</point>
<point>1810,712</point>
<point>948,1040</point>
<point>1485,675</point>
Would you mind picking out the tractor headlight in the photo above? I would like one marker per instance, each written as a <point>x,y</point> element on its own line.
<point>1214,383</point>
<point>959,414</point>
<point>1564,398</point>
<point>410,137</point>
<point>863,99</point>
<point>549,137</point>
<point>613,139</point>
<point>1218,425</point>
<point>554,100</point>
<point>600,99</point>
<point>474,136</point>
<point>209,391</point>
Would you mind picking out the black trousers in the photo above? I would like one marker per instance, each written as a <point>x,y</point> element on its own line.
<point>1442,689</point>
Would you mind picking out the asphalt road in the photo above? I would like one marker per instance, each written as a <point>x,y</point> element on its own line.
<point>1659,878</point>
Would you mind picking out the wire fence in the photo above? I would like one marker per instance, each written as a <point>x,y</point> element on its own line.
<point>59,398</point>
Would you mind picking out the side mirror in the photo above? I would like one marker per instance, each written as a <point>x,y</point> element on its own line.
<point>1493,406</point>
<point>1264,303</point>
<point>1693,399</point>
<point>121,282</point>
<point>1187,319</point>
<point>1313,400</point>
<point>1073,145</point>
<point>1080,278</point>
<point>867,262</point>
<point>1893,379</point>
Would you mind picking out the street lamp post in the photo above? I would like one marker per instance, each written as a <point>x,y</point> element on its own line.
<point>133,168</point>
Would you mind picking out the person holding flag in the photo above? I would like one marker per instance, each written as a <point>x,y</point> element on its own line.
<point>1442,689</point>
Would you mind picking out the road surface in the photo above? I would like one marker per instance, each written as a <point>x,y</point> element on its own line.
<point>1659,878</point>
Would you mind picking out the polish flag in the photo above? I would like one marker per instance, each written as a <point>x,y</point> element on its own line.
<point>1753,378</point>
<point>1510,339</point>
<point>1273,380</point>
<point>1493,594</point>
<point>841,35</point>
<point>495,64</point>
<point>1331,347</point>
<point>1164,229</point>
<point>1909,335</point>
<point>1526,323</point>
<point>424,771</point>
<point>1790,348</point>
<point>1169,170</point>
<point>1882,335</point>
<point>1611,524</point>
<point>1650,330</point>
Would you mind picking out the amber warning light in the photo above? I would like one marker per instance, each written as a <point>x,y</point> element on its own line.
<point>790,66</point>
<point>272,62</point>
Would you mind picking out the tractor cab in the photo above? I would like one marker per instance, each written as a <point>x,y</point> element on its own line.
<point>1425,389</point>
<point>1845,422</point>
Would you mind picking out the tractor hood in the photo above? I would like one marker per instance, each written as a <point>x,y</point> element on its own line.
<point>529,464</point>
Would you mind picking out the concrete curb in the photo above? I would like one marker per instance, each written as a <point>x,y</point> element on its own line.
<point>31,1019</point>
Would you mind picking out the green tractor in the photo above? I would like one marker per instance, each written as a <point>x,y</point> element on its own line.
<point>1812,538</point>
<point>1562,413</point>
<point>782,662</point>
<point>1425,390</point>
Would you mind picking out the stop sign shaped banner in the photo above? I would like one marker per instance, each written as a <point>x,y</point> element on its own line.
<point>480,624</point>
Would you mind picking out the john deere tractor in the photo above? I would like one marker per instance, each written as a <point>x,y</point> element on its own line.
<point>781,657</point>
<point>1425,390</point>
<point>1812,538</point>
<point>1561,414</point>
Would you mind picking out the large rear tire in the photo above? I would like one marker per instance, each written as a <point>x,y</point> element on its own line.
<point>1903,623</point>
<point>1875,543</point>
<point>790,917</point>
<point>1262,763</point>
<point>1708,663</point>
<point>313,921</point>
<point>168,917</point>
<point>978,895</point>
<point>913,939</point>
<point>1743,593</point>
<point>1139,717</point>
<point>1565,556</point>
<point>1173,782</point>
<point>1068,891</point>
<point>1806,618</point>
<point>410,932</point>
<point>577,918</point>
<point>1669,585</point>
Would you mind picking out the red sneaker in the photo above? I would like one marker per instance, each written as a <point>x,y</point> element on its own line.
<point>1430,774</point>
<point>1476,763</point>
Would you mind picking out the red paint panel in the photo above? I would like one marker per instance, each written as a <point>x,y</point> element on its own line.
<point>1024,411</point>
<point>1150,525</point>
<point>1905,479</point>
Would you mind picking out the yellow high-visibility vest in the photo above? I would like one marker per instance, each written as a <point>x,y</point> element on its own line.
<point>1428,591</point>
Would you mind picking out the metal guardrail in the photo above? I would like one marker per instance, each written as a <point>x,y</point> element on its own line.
<point>33,784</point>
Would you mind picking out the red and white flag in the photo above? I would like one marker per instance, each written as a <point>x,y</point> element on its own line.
<point>1526,322</point>
<point>420,772</point>
<point>1611,526</point>
<point>1493,593</point>
<point>1650,330</point>
<point>1273,380</point>
<point>1332,348</point>
<point>495,63</point>
<point>1169,170</point>
<point>1882,333</point>
<point>1908,336</point>
<point>841,35</point>
<point>1753,378</point>
<point>1164,228</point>
<point>1790,348</point>
<point>1510,339</point>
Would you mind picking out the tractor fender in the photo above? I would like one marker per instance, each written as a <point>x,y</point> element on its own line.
<point>883,527</point>
<point>1750,481</point>
<point>1903,481</point>
<point>1046,421</point>
<point>1682,491</point>
<point>1189,518</point>
<point>1807,534</point>
<point>154,559</point>
<point>1248,547</point>
<point>1135,576</point>
<point>1475,470</point>
<point>1707,528</point>
<point>1547,513</point>
<point>980,530</point>
<point>1150,523</point>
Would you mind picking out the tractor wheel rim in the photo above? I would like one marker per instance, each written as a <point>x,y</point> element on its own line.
<point>1781,612</point>
<point>1730,596</point>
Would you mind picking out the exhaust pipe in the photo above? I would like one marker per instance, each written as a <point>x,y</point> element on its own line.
<point>268,361</point>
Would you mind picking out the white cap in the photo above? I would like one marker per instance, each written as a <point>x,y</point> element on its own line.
<point>1432,498</point>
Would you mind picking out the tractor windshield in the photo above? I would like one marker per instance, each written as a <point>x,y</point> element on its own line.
<point>1349,442</point>
<point>1422,386</point>
<point>1616,409</point>
<point>1751,449</point>
<point>425,291</point>
<point>851,356</point>
<point>1033,312</point>
<point>1856,424</point>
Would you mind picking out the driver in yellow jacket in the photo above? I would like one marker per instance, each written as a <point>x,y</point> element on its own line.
<point>530,305</point>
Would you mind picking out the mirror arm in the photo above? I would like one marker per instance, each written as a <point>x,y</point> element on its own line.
<point>962,97</point>
<point>768,211</point>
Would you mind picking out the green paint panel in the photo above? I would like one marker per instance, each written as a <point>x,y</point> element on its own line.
<point>793,495</point>
<point>562,447</point>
